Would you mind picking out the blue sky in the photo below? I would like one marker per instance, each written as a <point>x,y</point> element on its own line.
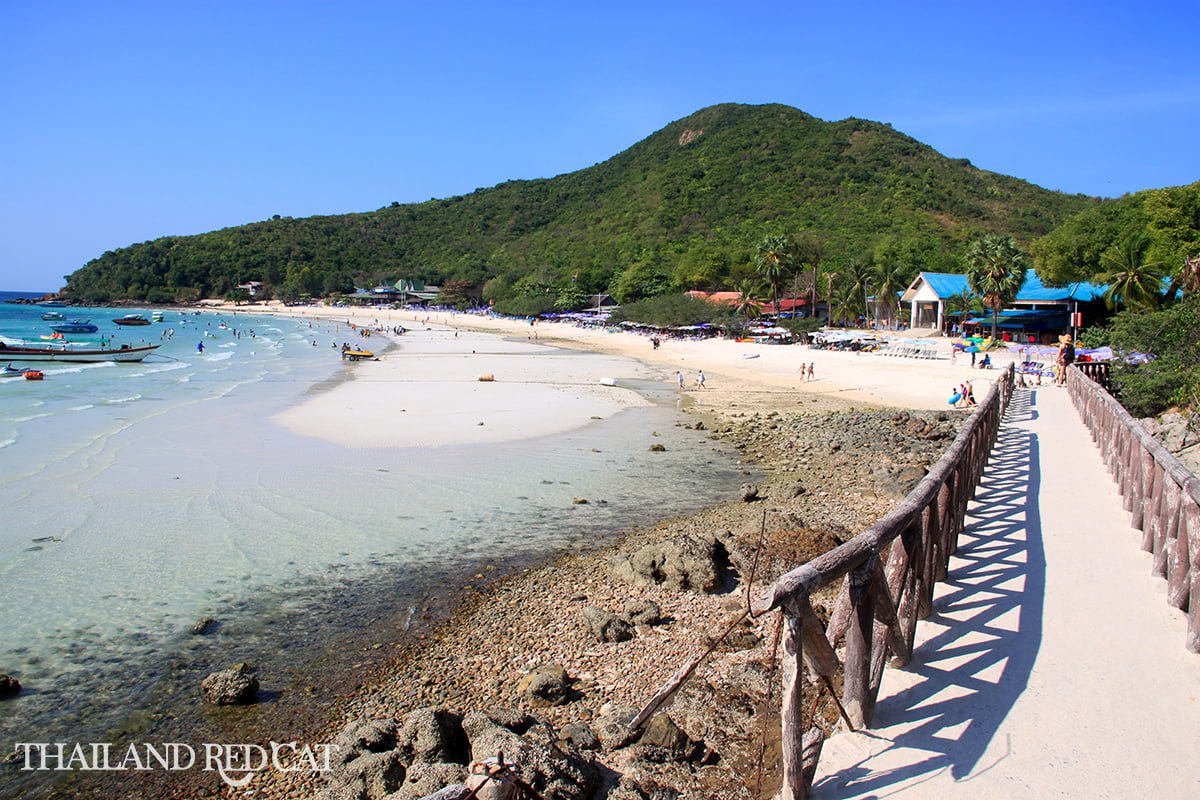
<point>122,121</point>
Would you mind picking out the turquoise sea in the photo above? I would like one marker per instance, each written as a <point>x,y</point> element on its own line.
<point>139,498</point>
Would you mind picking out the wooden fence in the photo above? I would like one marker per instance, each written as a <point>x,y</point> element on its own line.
<point>1160,493</point>
<point>880,603</point>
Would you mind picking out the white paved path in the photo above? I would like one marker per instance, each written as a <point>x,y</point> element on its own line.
<point>1052,665</point>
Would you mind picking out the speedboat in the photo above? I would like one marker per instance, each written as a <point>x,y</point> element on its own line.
<point>76,326</point>
<point>10,371</point>
<point>157,316</point>
<point>64,352</point>
<point>132,319</point>
<point>51,316</point>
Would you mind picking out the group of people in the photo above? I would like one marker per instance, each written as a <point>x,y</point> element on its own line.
<point>963,396</point>
<point>699,379</point>
<point>807,373</point>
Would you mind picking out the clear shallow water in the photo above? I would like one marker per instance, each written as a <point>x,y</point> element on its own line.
<point>141,497</point>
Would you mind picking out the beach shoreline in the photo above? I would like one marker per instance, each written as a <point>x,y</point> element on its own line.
<point>529,604</point>
<point>744,401</point>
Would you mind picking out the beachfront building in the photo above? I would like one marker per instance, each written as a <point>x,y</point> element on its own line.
<point>252,288</point>
<point>1037,307</point>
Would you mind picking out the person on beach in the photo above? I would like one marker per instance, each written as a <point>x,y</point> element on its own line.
<point>200,347</point>
<point>812,371</point>
<point>700,379</point>
<point>679,377</point>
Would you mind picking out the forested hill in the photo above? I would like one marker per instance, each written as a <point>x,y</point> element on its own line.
<point>683,208</point>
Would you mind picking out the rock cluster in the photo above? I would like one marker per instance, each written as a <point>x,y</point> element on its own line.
<point>9,687</point>
<point>556,646</point>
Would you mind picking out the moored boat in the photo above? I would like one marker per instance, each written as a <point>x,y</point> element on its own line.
<point>132,319</point>
<point>51,316</point>
<point>124,353</point>
<point>76,326</point>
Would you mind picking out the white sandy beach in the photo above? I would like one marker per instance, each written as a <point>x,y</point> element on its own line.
<point>537,393</point>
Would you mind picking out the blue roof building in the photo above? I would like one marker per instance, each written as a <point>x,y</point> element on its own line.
<point>929,292</point>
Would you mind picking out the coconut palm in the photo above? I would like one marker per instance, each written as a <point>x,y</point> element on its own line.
<point>845,303</point>
<point>747,306</point>
<point>775,262</point>
<point>965,303</point>
<point>889,281</point>
<point>995,271</point>
<point>858,278</point>
<point>1132,280</point>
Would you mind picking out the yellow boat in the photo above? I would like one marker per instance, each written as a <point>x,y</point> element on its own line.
<point>357,355</point>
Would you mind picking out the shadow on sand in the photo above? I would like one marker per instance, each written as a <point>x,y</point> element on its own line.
<point>976,650</point>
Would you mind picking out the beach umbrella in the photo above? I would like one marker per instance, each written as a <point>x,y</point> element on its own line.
<point>972,349</point>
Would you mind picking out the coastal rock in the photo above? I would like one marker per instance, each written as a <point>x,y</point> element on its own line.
<point>372,776</point>
<point>579,736</point>
<point>692,562</point>
<point>203,626</point>
<point>657,448</point>
<point>364,736</point>
<point>545,685</point>
<point>749,493</point>
<point>9,687</point>
<point>643,612</point>
<point>427,780</point>
<point>629,788</point>
<point>537,756</point>
<point>606,626</point>
<point>431,736</point>
<point>612,727</point>
<point>230,687</point>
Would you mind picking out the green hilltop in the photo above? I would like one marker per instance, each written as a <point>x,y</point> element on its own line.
<point>683,208</point>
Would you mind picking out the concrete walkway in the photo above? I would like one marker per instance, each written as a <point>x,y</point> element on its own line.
<point>1052,665</point>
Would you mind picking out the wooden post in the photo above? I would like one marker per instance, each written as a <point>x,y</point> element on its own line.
<point>1139,497</point>
<point>1154,523</point>
<point>1191,524</point>
<point>1167,512</point>
<point>856,695</point>
<point>791,716</point>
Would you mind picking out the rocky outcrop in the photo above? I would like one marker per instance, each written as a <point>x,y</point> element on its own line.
<point>538,756</point>
<point>693,562</point>
<point>230,687</point>
<point>433,736</point>
<point>643,612</point>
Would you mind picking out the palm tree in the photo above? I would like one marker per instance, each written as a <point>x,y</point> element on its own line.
<point>889,280</point>
<point>1132,280</point>
<point>747,306</point>
<point>775,262</point>
<point>964,302</point>
<point>858,276</point>
<point>845,303</point>
<point>995,271</point>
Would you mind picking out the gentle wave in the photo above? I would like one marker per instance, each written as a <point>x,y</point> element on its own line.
<point>129,399</point>
<point>218,357</point>
<point>29,418</point>
<point>82,408</point>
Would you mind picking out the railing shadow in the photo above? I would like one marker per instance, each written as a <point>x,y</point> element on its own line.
<point>987,617</point>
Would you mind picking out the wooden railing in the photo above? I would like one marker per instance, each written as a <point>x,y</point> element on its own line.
<point>880,604</point>
<point>1097,371</point>
<point>1161,494</point>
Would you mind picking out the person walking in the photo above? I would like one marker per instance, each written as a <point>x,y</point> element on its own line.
<point>700,379</point>
<point>679,377</point>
